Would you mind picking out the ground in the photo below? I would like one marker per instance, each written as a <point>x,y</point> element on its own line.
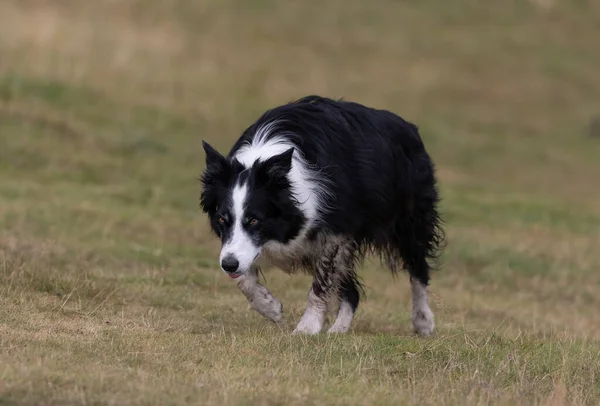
<point>110,291</point>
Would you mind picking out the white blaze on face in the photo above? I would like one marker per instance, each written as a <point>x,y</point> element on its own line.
<point>239,244</point>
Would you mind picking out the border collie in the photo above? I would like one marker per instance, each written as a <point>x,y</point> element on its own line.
<point>316,185</point>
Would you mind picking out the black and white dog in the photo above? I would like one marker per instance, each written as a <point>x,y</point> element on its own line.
<point>316,185</point>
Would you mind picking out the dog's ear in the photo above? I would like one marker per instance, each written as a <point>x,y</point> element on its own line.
<point>280,164</point>
<point>274,170</point>
<point>213,179</point>
<point>213,157</point>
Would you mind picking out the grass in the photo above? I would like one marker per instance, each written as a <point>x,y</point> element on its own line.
<point>110,291</point>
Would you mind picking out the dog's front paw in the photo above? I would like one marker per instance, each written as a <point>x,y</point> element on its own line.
<point>338,329</point>
<point>268,306</point>
<point>310,324</point>
<point>307,330</point>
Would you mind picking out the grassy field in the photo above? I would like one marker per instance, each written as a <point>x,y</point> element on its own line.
<point>110,291</point>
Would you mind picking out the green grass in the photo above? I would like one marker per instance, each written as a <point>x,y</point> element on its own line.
<point>110,291</point>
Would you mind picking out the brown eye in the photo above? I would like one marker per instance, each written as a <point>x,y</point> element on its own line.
<point>253,222</point>
<point>221,220</point>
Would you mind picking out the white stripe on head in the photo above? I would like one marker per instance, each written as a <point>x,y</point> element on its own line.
<point>238,197</point>
<point>240,245</point>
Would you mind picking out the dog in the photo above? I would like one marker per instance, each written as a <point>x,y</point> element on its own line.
<point>316,185</point>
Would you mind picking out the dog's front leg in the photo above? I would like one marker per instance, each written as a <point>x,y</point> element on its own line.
<point>324,288</point>
<point>314,316</point>
<point>259,297</point>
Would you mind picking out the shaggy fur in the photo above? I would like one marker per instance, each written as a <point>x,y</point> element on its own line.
<point>316,185</point>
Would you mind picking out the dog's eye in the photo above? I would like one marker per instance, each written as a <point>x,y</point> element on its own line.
<point>253,222</point>
<point>222,220</point>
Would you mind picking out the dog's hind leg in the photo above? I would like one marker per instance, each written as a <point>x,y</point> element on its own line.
<point>259,297</point>
<point>415,262</point>
<point>422,316</point>
<point>422,245</point>
<point>331,271</point>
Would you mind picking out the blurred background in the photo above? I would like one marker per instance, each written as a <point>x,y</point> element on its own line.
<point>103,106</point>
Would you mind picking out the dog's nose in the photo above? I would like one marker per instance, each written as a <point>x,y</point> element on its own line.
<point>230,264</point>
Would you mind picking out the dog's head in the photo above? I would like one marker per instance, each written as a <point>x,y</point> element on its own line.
<point>249,206</point>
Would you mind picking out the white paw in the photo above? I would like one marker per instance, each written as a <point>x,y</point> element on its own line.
<point>310,324</point>
<point>343,319</point>
<point>268,306</point>
<point>338,328</point>
<point>422,321</point>
<point>308,330</point>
